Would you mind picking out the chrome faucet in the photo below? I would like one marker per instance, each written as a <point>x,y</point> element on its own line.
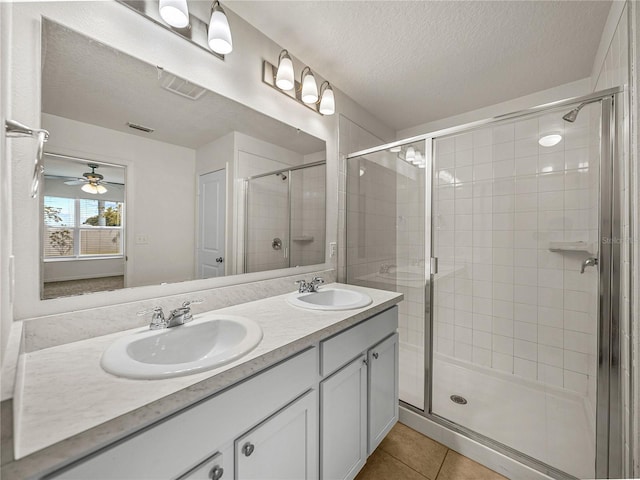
<point>177,317</point>
<point>309,287</point>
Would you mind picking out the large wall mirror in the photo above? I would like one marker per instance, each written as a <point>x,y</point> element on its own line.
<point>152,179</point>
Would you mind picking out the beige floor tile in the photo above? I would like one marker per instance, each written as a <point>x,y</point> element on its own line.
<point>457,467</point>
<point>382,466</point>
<point>414,449</point>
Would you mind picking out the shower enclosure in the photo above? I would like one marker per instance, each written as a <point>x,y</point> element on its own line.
<point>501,236</point>
<point>284,218</point>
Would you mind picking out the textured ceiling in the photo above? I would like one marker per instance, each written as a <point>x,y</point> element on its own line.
<point>89,82</point>
<point>414,62</point>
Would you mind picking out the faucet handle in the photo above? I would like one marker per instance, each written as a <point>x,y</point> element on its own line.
<point>188,303</point>
<point>157,320</point>
<point>302,285</point>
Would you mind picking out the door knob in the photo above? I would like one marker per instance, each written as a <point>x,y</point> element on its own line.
<point>216,473</point>
<point>219,259</point>
<point>589,262</point>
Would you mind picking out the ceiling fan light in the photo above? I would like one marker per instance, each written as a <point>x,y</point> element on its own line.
<point>90,188</point>
<point>219,36</point>
<point>175,12</point>
<point>285,79</point>
<point>327,101</point>
<point>309,87</point>
<point>101,189</point>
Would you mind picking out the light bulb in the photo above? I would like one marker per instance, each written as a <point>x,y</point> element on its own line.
<point>550,140</point>
<point>309,87</point>
<point>101,189</point>
<point>410,156</point>
<point>175,12</point>
<point>219,32</point>
<point>285,77</point>
<point>418,159</point>
<point>328,101</point>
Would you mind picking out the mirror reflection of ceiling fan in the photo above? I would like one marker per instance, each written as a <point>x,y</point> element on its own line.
<point>91,182</point>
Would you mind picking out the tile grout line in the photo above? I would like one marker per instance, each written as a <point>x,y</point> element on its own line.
<point>411,468</point>
<point>443,460</point>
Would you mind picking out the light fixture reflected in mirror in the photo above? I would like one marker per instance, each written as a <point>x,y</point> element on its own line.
<point>285,78</point>
<point>93,188</point>
<point>410,156</point>
<point>309,86</point>
<point>327,100</point>
<point>174,12</point>
<point>219,36</point>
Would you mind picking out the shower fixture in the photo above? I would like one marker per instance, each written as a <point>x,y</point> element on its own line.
<point>573,114</point>
<point>284,177</point>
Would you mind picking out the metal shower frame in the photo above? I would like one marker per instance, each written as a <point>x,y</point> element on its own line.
<point>609,461</point>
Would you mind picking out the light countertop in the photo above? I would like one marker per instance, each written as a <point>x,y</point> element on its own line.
<point>67,406</point>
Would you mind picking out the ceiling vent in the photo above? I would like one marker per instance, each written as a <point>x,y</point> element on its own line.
<point>179,86</point>
<point>142,128</point>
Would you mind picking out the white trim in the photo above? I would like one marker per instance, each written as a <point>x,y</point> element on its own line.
<point>609,31</point>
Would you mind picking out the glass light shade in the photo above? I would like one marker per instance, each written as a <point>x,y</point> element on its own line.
<point>285,79</point>
<point>328,102</point>
<point>219,37</point>
<point>175,12</point>
<point>395,149</point>
<point>418,158</point>
<point>309,88</point>
<point>410,156</point>
<point>93,188</point>
<point>550,140</point>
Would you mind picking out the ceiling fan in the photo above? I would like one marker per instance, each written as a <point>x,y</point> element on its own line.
<point>91,182</point>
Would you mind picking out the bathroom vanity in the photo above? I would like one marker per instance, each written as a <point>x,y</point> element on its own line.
<point>312,400</point>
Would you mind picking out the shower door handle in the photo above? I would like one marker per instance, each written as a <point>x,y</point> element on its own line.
<point>589,262</point>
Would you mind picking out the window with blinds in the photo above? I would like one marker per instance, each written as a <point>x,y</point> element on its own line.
<point>78,227</point>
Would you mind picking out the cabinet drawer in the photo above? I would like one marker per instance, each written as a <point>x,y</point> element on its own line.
<point>177,444</point>
<point>339,349</point>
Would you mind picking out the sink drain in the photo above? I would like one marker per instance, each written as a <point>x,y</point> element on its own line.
<point>458,399</point>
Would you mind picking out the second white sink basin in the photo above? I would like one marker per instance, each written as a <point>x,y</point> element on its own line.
<point>207,342</point>
<point>329,298</point>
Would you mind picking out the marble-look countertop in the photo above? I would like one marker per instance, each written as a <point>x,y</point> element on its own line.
<point>67,406</point>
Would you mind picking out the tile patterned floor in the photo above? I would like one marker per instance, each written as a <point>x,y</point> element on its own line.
<point>408,455</point>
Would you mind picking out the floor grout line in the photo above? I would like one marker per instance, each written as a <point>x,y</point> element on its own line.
<point>443,460</point>
<point>410,467</point>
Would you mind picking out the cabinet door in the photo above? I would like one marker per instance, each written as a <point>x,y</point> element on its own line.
<point>343,421</point>
<point>283,447</point>
<point>383,390</point>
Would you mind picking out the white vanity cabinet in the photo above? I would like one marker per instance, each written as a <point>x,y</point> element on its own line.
<point>359,401</point>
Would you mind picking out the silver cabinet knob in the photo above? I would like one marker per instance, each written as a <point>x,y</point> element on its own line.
<point>375,355</point>
<point>247,449</point>
<point>216,473</point>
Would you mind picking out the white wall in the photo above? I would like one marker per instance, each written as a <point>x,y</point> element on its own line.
<point>160,193</point>
<point>238,77</point>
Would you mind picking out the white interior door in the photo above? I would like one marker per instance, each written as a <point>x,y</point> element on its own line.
<point>211,224</point>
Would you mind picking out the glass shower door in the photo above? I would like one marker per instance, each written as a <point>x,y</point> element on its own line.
<point>515,320</point>
<point>385,223</point>
<point>267,223</point>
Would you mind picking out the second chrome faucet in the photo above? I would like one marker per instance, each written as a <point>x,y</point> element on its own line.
<point>309,287</point>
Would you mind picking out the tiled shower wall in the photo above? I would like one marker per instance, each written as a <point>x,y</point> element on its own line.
<point>308,216</point>
<point>503,299</point>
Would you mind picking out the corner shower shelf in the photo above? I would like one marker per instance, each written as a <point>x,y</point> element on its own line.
<point>579,246</point>
<point>302,238</point>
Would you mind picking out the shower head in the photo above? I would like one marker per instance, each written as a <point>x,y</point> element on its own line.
<point>284,177</point>
<point>573,114</point>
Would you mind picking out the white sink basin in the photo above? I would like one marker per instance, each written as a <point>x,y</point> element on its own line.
<point>330,299</point>
<point>207,342</point>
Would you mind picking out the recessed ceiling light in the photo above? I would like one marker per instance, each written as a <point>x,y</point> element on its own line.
<point>550,140</point>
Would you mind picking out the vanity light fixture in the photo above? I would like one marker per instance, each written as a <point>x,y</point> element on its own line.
<point>550,140</point>
<point>395,149</point>
<point>309,86</point>
<point>175,12</point>
<point>327,100</point>
<point>410,155</point>
<point>285,78</point>
<point>219,36</point>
